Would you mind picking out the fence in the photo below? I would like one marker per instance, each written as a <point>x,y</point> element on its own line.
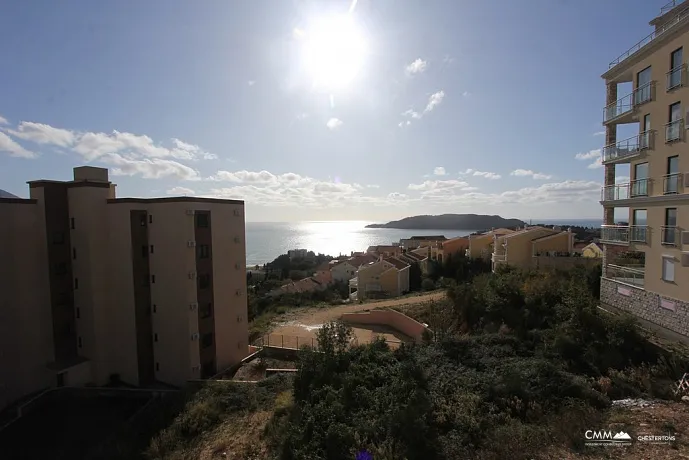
<point>286,341</point>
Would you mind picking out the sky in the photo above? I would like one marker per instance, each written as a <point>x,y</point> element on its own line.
<point>319,110</point>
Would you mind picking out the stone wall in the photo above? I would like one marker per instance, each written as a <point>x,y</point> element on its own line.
<point>669,313</point>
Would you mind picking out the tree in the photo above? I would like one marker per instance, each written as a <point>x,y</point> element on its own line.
<point>415,277</point>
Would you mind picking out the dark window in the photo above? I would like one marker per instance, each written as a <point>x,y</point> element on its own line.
<point>144,251</point>
<point>150,218</point>
<point>76,283</point>
<point>74,253</point>
<point>206,310</point>
<point>78,313</point>
<point>207,340</point>
<point>157,366</point>
<point>142,220</point>
<point>204,251</point>
<point>58,238</point>
<point>71,222</point>
<point>153,279</point>
<point>151,249</point>
<point>60,268</point>
<point>155,308</point>
<point>155,337</point>
<point>204,281</point>
<point>79,341</point>
<point>202,220</point>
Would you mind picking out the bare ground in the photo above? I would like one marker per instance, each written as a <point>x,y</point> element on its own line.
<point>303,323</point>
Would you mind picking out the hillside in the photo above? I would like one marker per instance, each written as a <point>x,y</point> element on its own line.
<point>450,222</point>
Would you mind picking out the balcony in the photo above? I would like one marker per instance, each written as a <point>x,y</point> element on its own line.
<point>675,78</point>
<point>669,236</point>
<point>621,108</point>
<point>499,257</point>
<point>627,149</point>
<point>614,234</point>
<point>672,183</point>
<point>669,6</point>
<point>641,44</point>
<point>618,192</point>
<point>628,274</point>
<point>673,131</point>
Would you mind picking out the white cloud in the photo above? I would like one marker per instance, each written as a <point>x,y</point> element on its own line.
<point>530,173</point>
<point>436,185</point>
<point>43,134</point>
<point>439,171</point>
<point>14,149</point>
<point>484,174</point>
<point>622,180</point>
<point>433,101</point>
<point>418,66</point>
<point>180,191</point>
<point>251,82</point>
<point>466,94</point>
<point>333,123</point>
<point>402,124</point>
<point>148,168</point>
<point>591,155</point>
<point>3,121</point>
<point>599,133</point>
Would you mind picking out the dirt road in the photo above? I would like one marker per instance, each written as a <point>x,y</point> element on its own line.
<point>305,322</point>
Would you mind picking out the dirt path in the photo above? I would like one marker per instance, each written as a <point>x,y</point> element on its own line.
<point>305,322</point>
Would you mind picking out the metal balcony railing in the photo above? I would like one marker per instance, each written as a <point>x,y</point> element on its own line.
<point>669,235</point>
<point>622,149</point>
<point>624,274</point>
<point>614,233</point>
<point>639,187</point>
<point>675,78</point>
<point>634,189</point>
<point>673,130</point>
<point>672,183</point>
<point>626,104</point>
<point>669,6</point>
<point>645,140</point>
<point>650,38</point>
<point>638,233</point>
<point>499,257</point>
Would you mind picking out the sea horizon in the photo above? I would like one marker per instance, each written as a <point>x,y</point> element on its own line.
<point>267,240</point>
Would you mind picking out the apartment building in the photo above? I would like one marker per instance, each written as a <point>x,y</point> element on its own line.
<point>535,247</point>
<point>97,287</point>
<point>387,277</point>
<point>481,245</point>
<point>646,263</point>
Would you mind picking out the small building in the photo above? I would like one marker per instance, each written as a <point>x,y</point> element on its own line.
<point>387,277</point>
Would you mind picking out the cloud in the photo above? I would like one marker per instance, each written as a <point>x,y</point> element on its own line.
<point>3,121</point>
<point>466,94</point>
<point>43,134</point>
<point>439,171</point>
<point>15,150</point>
<point>251,82</point>
<point>180,191</point>
<point>333,123</point>
<point>438,185</point>
<point>149,168</point>
<point>418,66</point>
<point>402,124</point>
<point>484,174</point>
<point>532,174</point>
<point>591,155</point>
<point>599,133</point>
<point>433,101</point>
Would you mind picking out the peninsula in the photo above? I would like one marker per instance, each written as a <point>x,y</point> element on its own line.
<point>451,222</point>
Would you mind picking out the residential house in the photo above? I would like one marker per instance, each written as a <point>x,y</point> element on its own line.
<point>481,245</point>
<point>385,250</point>
<point>418,241</point>
<point>297,287</point>
<point>591,250</point>
<point>412,257</point>
<point>522,248</point>
<point>387,277</point>
<point>343,271</point>
<point>452,246</point>
<point>656,158</point>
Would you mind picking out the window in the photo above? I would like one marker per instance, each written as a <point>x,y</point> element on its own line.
<point>74,253</point>
<point>78,313</point>
<point>76,283</point>
<point>144,251</point>
<point>671,182</point>
<point>152,249</point>
<point>155,337</point>
<point>60,268</point>
<point>207,340</point>
<point>643,86</point>
<point>153,279</point>
<point>672,129</point>
<point>674,76</point>
<point>150,218</point>
<point>79,342</point>
<point>669,230</point>
<point>58,238</point>
<point>204,281</point>
<point>669,269</point>
<point>204,251</point>
<point>155,308</point>
<point>202,220</point>
<point>71,222</point>
<point>157,366</point>
<point>206,310</point>
<point>645,135</point>
<point>640,182</point>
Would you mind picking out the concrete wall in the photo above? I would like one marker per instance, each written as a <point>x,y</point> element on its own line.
<point>666,312</point>
<point>561,242</point>
<point>478,243</point>
<point>391,318</point>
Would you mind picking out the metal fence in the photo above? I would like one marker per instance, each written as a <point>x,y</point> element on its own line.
<point>296,342</point>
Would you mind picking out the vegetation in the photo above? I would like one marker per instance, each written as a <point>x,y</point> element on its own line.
<point>450,222</point>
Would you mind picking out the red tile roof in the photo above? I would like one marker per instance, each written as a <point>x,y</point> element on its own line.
<point>399,264</point>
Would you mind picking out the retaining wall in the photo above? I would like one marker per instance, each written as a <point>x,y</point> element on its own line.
<point>391,318</point>
<point>669,313</point>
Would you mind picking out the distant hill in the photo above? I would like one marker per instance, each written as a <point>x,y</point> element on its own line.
<point>451,222</point>
<point>4,194</point>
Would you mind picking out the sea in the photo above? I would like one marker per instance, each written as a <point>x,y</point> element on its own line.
<point>267,240</point>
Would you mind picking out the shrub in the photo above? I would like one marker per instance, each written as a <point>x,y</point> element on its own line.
<point>427,284</point>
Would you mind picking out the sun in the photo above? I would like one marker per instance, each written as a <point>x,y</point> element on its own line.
<point>333,51</point>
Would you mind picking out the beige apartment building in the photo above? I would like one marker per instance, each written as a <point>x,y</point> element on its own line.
<point>97,288</point>
<point>534,247</point>
<point>646,262</point>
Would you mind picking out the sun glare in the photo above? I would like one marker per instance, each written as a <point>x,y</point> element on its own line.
<point>333,51</point>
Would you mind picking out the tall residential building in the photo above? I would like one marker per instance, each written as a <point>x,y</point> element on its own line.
<point>96,288</point>
<point>646,259</point>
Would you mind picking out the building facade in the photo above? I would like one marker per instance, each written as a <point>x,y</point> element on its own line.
<point>98,288</point>
<point>646,260</point>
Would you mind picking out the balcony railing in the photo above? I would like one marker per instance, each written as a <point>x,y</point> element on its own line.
<point>639,187</point>
<point>669,235</point>
<point>638,233</point>
<point>650,38</point>
<point>675,78</point>
<point>673,130</point>
<point>499,257</point>
<point>626,274</point>
<point>672,183</point>
<point>625,149</point>
<point>634,189</point>
<point>626,104</point>
<point>670,5</point>
<point>614,233</point>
